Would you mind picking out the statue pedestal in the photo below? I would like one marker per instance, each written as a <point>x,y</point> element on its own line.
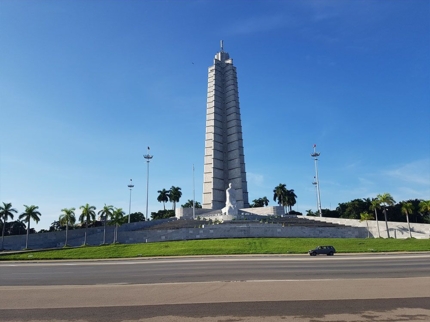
<point>230,210</point>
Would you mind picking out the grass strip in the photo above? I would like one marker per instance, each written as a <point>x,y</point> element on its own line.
<point>225,247</point>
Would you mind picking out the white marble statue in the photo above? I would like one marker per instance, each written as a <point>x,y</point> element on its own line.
<point>230,202</point>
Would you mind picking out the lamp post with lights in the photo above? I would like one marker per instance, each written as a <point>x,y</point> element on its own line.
<point>130,186</point>
<point>148,158</point>
<point>315,155</point>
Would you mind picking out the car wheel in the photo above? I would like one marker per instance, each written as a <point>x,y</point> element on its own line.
<point>313,254</point>
<point>330,254</point>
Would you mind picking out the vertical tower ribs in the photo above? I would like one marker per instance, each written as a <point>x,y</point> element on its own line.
<point>224,155</point>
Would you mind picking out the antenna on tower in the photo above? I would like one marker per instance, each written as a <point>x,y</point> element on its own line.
<point>222,45</point>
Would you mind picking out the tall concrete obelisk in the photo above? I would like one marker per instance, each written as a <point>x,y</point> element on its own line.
<point>224,157</point>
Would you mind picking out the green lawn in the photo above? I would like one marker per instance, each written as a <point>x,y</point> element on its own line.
<point>226,247</point>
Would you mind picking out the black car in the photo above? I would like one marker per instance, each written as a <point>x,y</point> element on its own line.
<point>325,250</point>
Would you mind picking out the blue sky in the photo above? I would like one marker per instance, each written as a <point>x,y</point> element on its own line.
<point>86,86</point>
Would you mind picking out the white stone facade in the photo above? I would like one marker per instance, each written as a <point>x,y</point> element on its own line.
<point>224,161</point>
<point>396,230</point>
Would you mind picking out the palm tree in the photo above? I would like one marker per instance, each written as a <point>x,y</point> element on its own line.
<point>174,195</point>
<point>105,213</point>
<point>117,219</point>
<point>163,197</point>
<point>425,206</point>
<point>366,216</point>
<point>280,194</point>
<point>189,204</point>
<point>386,200</point>
<point>6,211</point>
<point>256,203</point>
<point>291,199</point>
<point>30,213</point>
<point>408,208</point>
<point>67,217</point>
<point>260,202</point>
<point>88,214</point>
<point>375,205</point>
<point>265,201</point>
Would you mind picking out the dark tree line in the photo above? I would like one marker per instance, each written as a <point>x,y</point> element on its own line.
<point>420,210</point>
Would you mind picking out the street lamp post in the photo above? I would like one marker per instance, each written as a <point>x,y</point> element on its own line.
<point>148,158</point>
<point>315,155</point>
<point>130,186</point>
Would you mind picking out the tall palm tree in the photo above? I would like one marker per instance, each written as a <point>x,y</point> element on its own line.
<point>30,213</point>
<point>385,200</point>
<point>280,194</point>
<point>105,213</point>
<point>117,219</point>
<point>174,195</point>
<point>366,216</point>
<point>408,208</point>
<point>88,214</point>
<point>163,197</point>
<point>6,211</point>
<point>375,205</point>
<point>290,199</point>
<point>66,218</point>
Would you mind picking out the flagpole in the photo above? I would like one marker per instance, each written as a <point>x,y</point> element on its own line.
<point>194,197</point>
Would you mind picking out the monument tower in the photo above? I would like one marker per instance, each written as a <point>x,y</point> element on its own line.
<point>224,156</point>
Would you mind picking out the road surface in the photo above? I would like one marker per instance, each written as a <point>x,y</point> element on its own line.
<point>384,287</point>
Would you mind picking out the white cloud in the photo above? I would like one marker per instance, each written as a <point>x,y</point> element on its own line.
<point>417,172</point>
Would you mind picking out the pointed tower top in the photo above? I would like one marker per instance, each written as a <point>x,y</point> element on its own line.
<point>222,45</point>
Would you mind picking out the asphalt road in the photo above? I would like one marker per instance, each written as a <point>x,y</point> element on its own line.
<point>208,269</point>
<point>383,287</point>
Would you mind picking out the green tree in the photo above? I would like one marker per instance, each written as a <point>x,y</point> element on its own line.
<point>260,202</point>
<point>66,218</point>
<point>386,200</point>
<point>88,214</point>
<point>137,216</point>
<point>328,213</point>
<point>6,211</point>
<point>352,209</point>
<point>116,219</point>
<point>407,208</point>
<point>265,201</point>
<point>290,199</point>
<point>30,213</point>
<point>374,206</point>
<point>174,195</point>
<point>105,213</point>
<point>163,196</point>
<point>309,212</point>
<point>162,214</point>
<point>189,204</point>
<point>424,207</point>
<point>280,194</point>
<point>16,227</point>
<point>365,216</point>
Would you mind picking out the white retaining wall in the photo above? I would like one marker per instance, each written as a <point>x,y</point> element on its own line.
<point>396,229</point>
<point>130,236</point>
